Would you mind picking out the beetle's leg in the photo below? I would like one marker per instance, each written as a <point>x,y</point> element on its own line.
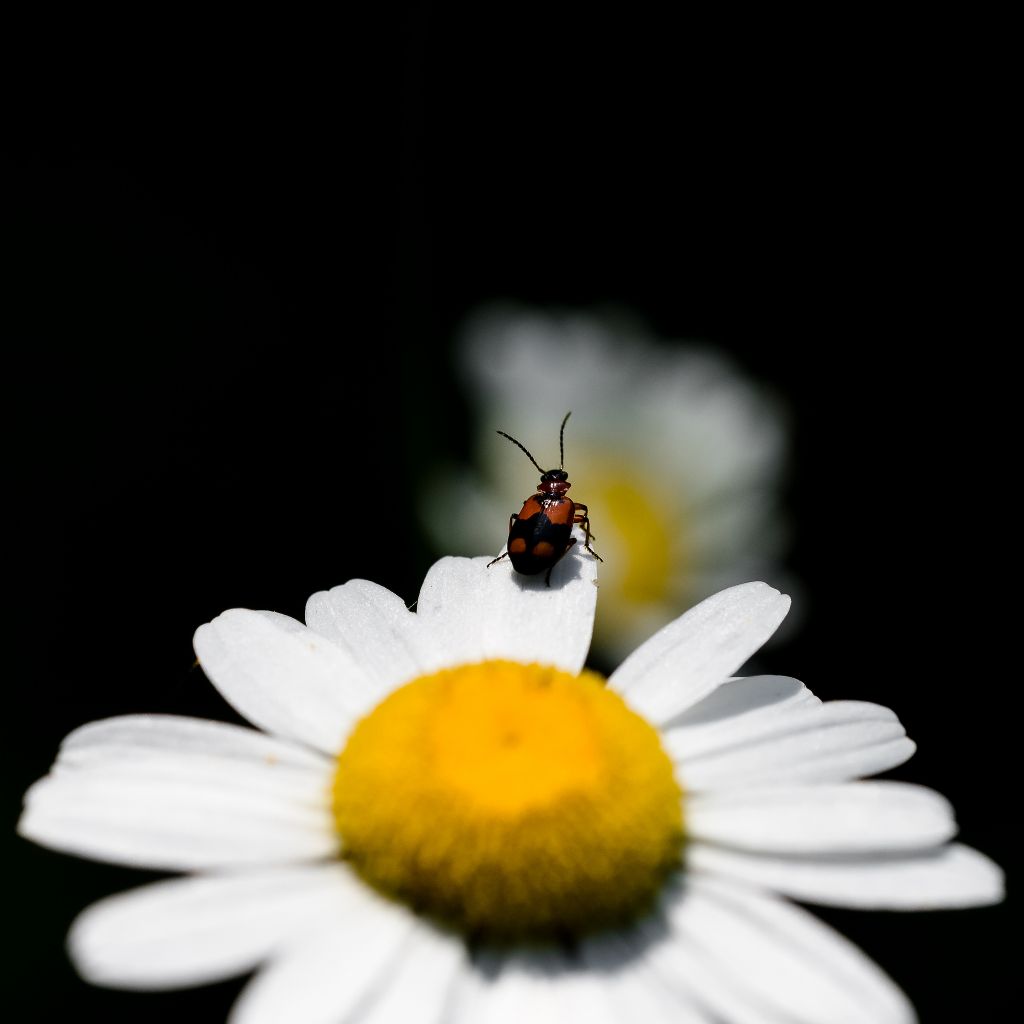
<point>584,521</point>
<point>585,518</point>
<point>511,519</point>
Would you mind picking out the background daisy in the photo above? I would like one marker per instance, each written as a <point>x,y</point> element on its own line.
<point>678,456</point>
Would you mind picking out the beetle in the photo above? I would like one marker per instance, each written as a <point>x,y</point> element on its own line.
<point>540,534</point>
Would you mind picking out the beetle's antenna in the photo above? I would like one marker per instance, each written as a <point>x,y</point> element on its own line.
<point>523,448</point>
<point>561,440</point>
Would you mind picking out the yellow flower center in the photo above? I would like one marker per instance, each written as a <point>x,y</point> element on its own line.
<point>510,800</point>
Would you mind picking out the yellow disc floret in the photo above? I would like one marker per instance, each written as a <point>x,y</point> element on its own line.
<point>510,800</point>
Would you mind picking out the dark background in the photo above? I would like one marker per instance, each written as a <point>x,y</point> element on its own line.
<point>237,270</point>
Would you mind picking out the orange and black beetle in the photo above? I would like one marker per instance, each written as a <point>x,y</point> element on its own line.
<point>541,534</point>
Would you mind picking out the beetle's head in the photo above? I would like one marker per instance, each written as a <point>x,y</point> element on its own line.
<point>554,481</point>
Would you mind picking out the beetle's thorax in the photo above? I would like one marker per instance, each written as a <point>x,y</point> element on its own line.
<point>553,488</point>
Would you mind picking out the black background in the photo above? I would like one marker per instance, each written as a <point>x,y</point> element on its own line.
<point>238,265</point>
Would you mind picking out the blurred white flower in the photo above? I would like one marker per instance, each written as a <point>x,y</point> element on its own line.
<point>677,455</point>
<point>447,819</point>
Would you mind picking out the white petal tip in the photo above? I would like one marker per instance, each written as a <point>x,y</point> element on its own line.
<point>24,826</point>
<point>32,824</point>
<point>687,659</point>
<point>770,595</point>
<point>759,586</point>
<point>979,881</point>
<point>970,881</point>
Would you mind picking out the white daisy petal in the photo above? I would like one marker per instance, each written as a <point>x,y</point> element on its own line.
<point>325,976</point>
<point>831,742</point>
<point>476,613</point>
<point>483,513</point>
<point>162,809</point>
<point>634,990</point>
<point>190,931</point>
<point>641,996</point>
<point>493,992</point>
<point>743,695</point>
<point>421,985</point>
<point>723,435</point>
<point>511,354</point>
<point>697,975</point>
<point>284,677</point>
<point>540,987</point>
<point>583,998</point>
<point>743,523</point>
<point>776,953</point>
<point>133,735</point>
<point>857,817</point>
<point>951,876</point>
<point>376,630</point>
<point>693,655</point>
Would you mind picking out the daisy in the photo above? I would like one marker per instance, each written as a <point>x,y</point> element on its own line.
<point>442,816</point>
<point>677,454</point>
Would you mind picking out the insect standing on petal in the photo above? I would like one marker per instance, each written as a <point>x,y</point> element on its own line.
<point>541,533</point>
